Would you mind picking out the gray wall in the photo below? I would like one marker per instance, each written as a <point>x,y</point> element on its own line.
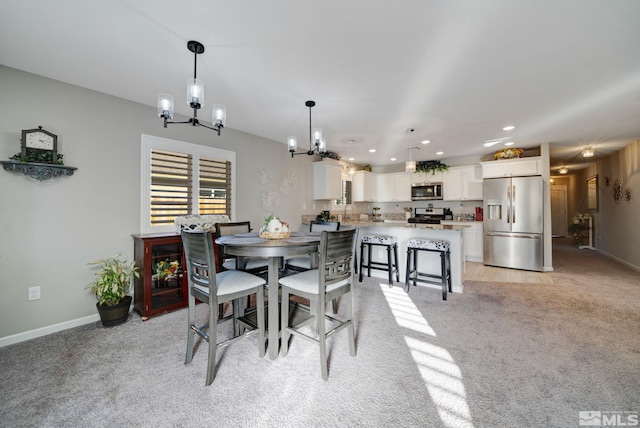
<point>49,230</point>
<point>616,223</point>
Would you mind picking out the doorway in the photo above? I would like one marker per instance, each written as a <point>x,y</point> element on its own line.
<point>559,210</point>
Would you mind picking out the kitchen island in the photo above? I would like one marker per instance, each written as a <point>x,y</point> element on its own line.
<point>403,231</point>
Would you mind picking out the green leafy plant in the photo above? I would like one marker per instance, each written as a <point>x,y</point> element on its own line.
<point>37,156</point>
<point>330,155</point>
<point>431,166</point>
<point>114,279</point>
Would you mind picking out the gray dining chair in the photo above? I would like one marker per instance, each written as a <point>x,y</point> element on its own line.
<point>211,288</point>
<point>332,279</point>
<point>227,262</point>
<point>302,263</point>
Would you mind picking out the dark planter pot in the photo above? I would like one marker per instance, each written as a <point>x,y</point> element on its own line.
<point>114,315</point>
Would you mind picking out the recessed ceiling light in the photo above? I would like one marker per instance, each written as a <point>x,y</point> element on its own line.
<point>563,170</point>
<point>372,150</point>
<point>392,159</point>
<point>508,128</point>
<point>439,153</point>
<point>352,159</point>
<point>509,143</point>
<point>425,141</point>
<point>351,142</point>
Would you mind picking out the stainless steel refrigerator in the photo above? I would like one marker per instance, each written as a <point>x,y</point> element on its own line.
<point>513,218</point>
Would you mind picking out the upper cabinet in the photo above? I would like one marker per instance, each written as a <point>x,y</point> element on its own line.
<point>462,183</point>
<point>512,167</point>
<point>426,177</point>
<point>395,187</point>
<point>327,180</point>
<point>365,187</point>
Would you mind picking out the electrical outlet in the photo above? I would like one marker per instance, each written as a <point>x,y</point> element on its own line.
<point>34,293</point>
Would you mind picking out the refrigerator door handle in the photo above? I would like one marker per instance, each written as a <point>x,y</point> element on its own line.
<point>509,204</point>
<point>513,203</point>
<point>511,235</point>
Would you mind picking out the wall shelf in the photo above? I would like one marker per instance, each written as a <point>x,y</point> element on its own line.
<point>39,171</point>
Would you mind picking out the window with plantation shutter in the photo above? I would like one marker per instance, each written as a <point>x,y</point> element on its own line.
<point>183,179</point>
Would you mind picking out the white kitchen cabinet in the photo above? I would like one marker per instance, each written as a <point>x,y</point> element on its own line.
<point>327,180</point>
<point>364,187</point>
<point>395,187</point>
<point>472,238</point>
<point>512,167</point>
<point>462,183</point>
<point>426,177</point>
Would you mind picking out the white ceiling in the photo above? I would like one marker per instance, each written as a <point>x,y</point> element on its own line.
<point>563,72</point>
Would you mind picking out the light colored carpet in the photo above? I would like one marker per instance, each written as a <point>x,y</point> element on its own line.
<point>499,355</point>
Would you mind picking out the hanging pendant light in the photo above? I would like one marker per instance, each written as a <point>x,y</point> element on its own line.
<point>195,98</point>
<point>410,165</point>
<point>315,138</point>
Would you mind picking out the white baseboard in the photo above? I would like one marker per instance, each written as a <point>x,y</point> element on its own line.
<point>43,331</point>
<point>624,262</point>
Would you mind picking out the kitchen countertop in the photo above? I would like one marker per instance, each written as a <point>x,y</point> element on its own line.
<point>404,224</point>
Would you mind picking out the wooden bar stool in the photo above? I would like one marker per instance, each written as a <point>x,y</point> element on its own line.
<point>391,245</point>
<point>430,245</point>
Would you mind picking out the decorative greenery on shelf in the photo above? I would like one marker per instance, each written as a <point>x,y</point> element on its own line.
<point>330,155</point>
<point>37,156</point>
<point>431,166</point>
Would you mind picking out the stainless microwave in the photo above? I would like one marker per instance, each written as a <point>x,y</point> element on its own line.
<point>426,191</point>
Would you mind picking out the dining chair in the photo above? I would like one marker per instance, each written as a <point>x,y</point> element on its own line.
<point>211,287</point>
<point>302,263</point>
<point>332,279</point>
<point>227,262</point>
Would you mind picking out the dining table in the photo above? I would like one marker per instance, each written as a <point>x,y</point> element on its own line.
<point>252,245</point>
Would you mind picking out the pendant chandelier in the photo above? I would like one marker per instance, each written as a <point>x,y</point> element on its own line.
<point>195,98</point>
<point>316,144</point>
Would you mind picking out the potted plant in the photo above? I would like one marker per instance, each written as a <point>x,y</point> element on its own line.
<point>431,166</point>
<point>111,288</point>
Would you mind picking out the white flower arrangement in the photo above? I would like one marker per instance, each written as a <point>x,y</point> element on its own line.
<point>200,222</point>
<point>579,218</point>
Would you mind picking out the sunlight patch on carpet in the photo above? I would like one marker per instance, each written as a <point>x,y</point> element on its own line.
<point>405,311</point>
<point>440,373</point>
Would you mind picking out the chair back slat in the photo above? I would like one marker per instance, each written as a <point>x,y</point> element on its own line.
<point>226,229</point>
<point>336,253</point>
<point>200,261</point>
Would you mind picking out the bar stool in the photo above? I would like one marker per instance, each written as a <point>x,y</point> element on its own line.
<point>430,245</point>
<point>391,266</point>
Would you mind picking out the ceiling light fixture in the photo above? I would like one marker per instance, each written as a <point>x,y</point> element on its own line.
<point>563,170</point>
<point>410,165</point>
<point>372,150</point>
<point>425,141</point>
<point>509,128</point>
<point>509,143</point>
<point>588,153</point>
<point>315,138</point>
<point>439,153</point>
<point>195,98</point>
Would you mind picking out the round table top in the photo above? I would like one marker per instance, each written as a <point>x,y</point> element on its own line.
<point>250,244</point>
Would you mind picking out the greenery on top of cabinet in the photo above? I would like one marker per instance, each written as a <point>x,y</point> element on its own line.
<point>431,166</point>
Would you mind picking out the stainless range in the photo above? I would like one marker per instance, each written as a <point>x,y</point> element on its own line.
<point>427,216</point>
